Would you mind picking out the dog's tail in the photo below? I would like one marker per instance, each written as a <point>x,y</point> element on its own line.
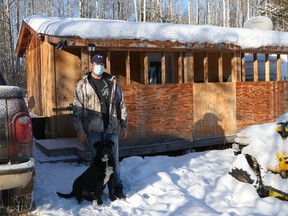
<point>66,196</point>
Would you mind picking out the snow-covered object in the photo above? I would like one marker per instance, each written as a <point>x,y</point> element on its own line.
<point>118,29</point>
<point>263,142</point>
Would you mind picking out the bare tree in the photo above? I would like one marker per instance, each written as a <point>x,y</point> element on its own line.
<point>81,8</point>
<point>159,7</point>
<point>144,10</point>
<point>197,16</point>
<point>10,43</point>
<point>208,13</point>
<point>135,10</point>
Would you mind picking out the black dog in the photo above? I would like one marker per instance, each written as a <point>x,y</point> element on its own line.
<point>97,175</point>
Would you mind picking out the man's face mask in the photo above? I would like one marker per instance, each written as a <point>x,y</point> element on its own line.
<point>98,69</point>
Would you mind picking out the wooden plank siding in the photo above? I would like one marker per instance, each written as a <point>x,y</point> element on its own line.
<point>214,110</point>
<point>191,112</point>
<point>159,113</point>
<point>33,70</point>
<point>260,102</point>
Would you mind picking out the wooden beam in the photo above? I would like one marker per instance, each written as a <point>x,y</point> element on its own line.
<point>138,44</point>
<point>108,62</point>
<point>205,66</point>
<point>267,68</point>
<point>243,70</point>
<point>278,67</point>
<point>220,67</point>
<point>191,67</point>
<point>146,68</point>
<point>238,66</point>
<point>84,60</point>
<point>233,68</point>
<point>186,65</point>
<point>128,79</point>
<point>141,60</point>
<point>180,77</point>
<point>255,67</point>
<point>163,68</point>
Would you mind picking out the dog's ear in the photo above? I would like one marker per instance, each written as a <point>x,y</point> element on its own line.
<point>97,144</point>
<point>111,142</point>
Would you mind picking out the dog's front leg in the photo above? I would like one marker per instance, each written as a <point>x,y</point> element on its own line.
<point>112,197</point>
<point>78,190</point>
<point>98,194</point>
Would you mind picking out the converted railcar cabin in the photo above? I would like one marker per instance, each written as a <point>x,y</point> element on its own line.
<point>185,86</point>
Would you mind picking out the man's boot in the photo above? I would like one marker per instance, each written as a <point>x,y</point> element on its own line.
<point>118,191</point>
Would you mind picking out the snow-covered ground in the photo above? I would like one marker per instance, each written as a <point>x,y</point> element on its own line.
<point>192,184</point>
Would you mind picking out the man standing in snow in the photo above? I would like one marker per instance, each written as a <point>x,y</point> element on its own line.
<point>98,111</point>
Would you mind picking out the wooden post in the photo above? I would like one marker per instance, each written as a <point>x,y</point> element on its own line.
<point>128,68</point>
<point>255,67</point>
<point>205,64</point>
<point>141,60</point>
<point>188,67</point>
<point>180,77</point>
<point>220,67</point>
<point>243,71</point>
<point>163,68</point>
<point>278,67</point>
<point>108,62</point>
<point>267,68</point>
<point>191,67</point>
<point>233,68</point>
<point>186,61</point>
<point>84,60</point>
<point>238,66</point>
<point>146,68</point>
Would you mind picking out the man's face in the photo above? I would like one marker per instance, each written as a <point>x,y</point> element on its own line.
<point>94,63</point>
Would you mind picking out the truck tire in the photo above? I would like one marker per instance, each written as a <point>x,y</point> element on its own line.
<point>18,201</point>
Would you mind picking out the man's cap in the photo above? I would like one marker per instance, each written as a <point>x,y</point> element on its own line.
<point>98,59</point>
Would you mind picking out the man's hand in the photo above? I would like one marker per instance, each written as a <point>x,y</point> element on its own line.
<point>123,132</point>
<point>81,135</point>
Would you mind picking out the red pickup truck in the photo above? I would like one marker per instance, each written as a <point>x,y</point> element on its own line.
<point>17,166</point>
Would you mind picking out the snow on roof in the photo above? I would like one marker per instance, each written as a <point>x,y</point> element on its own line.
<point>117,29</point>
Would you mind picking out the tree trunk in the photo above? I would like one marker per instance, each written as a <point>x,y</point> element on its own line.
<point>135,10</point>
<point>144,10</point>
<point>10,45</point>
<point>81,8</point>
<point>197,12</point>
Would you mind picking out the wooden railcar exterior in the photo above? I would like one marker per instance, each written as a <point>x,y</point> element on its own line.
<point>201,96</point>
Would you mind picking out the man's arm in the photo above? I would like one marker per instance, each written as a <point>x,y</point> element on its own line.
<point>77,108</point>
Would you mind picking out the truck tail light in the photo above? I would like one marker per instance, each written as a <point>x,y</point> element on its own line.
<point>23,129</point>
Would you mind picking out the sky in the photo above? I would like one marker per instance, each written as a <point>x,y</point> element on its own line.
<point>197,183</point>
